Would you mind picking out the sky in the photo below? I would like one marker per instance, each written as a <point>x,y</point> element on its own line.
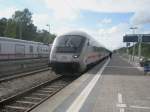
<point>106,20</point>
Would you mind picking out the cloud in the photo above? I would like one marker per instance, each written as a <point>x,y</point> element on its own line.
<point>105,21</point>
<point>112,37</point>
<point>7,12</point>
<point>64,28</point>
<point>62,9</point>
<point>70,9</point>
<point>140,17</point>
<point>41,20</point>
<point>109,6</point>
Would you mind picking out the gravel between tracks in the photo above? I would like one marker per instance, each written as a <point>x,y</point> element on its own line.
<point>11,87</point>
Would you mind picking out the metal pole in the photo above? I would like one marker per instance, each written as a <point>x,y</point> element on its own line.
<point>48,27</point>
<point>127,51</point>
<point>133,52</point>
<point>128,44</point>
<point>20,30</point>
<point>139,49</point>
<point>139,52</point>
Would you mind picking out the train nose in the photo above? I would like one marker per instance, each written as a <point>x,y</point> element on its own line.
<point>61,67</point>
<point>76,56</point>
<point>63,58</point>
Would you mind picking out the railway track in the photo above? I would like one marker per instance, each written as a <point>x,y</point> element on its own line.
<point>29,99</point>
<point>7,78</point>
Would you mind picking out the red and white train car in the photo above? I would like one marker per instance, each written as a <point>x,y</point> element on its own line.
<point>21,49</point>
<point>77,50</point>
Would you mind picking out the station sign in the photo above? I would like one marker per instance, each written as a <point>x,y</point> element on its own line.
<point>146,38</point>
<point>130,38</point>
<point>136,38</point>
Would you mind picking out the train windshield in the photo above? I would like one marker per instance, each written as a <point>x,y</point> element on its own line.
<point>69,44</point>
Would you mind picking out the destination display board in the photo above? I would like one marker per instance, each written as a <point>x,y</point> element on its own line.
<point>146,38</point>
<point>130,38</point>
<point>136,38</point>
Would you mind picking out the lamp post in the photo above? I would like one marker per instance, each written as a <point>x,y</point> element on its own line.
<point>20,30</point>
<point>48,25</point>
<point>133,52</point>
<point>139,49</point>
<point>127,46</point>
<point>19,21</point>
<point>133,29</point>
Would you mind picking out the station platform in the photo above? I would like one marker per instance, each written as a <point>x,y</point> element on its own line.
<point>112,86</point>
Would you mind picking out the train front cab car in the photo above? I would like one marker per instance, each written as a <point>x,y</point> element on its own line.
<point>75,51</point>
<point>66,52</point>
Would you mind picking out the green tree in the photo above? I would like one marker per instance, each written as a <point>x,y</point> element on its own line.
<point>30,32</point>
<point>21,26</point>
<point>145,50</point>
<point>45,37</point>
<point>11,29</point>
<point>24,21</point>
<point>3,24</point>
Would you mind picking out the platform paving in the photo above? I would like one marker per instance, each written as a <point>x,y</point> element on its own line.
<point>112,86</point>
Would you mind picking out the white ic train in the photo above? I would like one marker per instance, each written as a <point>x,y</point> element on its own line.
<point>21,49</point>
<point>75,51</point>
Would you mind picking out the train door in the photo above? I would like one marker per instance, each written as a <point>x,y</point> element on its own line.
<point>38,52</point>
<point>31,51</point>
<point>19,51</point>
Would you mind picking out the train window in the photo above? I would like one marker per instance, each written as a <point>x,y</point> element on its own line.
<point>70,43</point>
<point>31,49</point>
<point>19,49</point>
<point>88,43</point>
<point>0,48</point>
<point>97,49</point>
<point>38,49</point>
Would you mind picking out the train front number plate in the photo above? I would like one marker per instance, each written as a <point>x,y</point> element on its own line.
<point>63,59</point>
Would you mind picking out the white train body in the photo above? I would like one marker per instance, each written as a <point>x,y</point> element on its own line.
<point>76,50</point>
<point>20,49</point>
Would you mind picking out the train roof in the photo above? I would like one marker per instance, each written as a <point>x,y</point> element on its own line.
<point>84,34</point>
<point>19,40</point>
<point>81,33</point>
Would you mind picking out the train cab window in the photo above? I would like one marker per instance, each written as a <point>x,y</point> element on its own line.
<point>31,49</point>
<point>70,43</point>
<point>88,43</point>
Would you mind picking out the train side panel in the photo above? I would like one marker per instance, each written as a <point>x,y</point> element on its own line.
<point>20,49</point>
<point>90,53</point>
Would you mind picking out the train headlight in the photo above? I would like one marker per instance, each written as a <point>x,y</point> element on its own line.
<point>75,56</point>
